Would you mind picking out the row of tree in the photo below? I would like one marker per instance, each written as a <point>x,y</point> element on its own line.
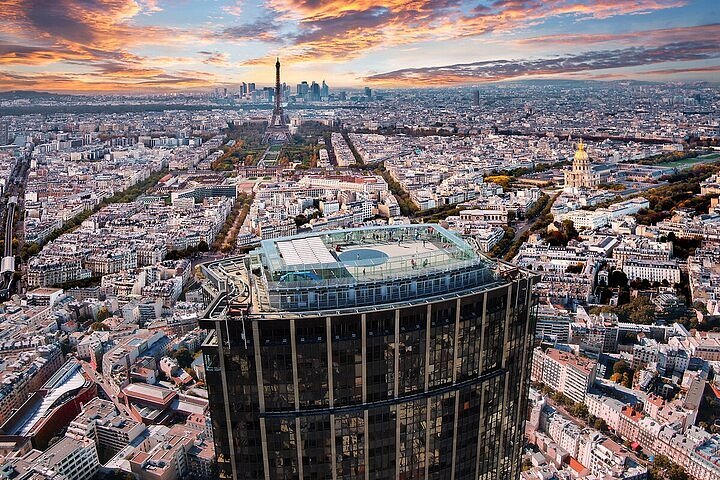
<point>128,195</point>
<point>407,206</point>
<point>504,243</point>
<point>227,236</point>
<point>638,310</point>
<point>544,218</point>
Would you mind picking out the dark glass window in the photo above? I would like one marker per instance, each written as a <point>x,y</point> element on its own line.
<point>380,361</point>
<point>347,359</point>
<point>311,348</point>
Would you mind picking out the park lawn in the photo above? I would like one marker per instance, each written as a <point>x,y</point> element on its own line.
<point>692,161</point>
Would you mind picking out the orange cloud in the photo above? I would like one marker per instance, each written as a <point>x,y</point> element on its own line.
<point>141,82</point>
<point>592,61</point>
<point>337,30</point>
<point>215,58</point>
<point>673,71</point>
<point>648,37</point>
<point>235,9</point>
<point>95,34</point>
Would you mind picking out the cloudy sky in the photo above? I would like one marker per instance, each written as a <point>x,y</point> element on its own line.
<point>168,45</point>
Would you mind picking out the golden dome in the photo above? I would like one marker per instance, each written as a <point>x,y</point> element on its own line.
<point>580,154</point>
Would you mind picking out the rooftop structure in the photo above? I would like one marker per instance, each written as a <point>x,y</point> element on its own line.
<point>351,268</point>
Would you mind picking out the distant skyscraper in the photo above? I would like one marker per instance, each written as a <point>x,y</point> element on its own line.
<point>243,88</point>
<point>4,133</point>
<point>303,88</point>
<point>324,90</point>
<point>476,98</point>
<point>368,92</point>
<point>392,352</point>
<point>314,92</point>
<point>251,87</point>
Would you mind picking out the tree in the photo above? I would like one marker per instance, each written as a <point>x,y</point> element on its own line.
<point>99,327</point>
<point>183,357</point>
<point>577,268</point>
<point>601,425</point>
<point>627,379</point>
<point>620,367</point>
<point>617,279</point>
<point>539,206</point>
<point>102,315</point>
<point>30,249</point>
<point>640,310</point>
<point>570,230</point>
<point>203,246</point>
<point>665,469</point>
<point>301,220</point>
<point>579,410</point>
<point>676,472</point>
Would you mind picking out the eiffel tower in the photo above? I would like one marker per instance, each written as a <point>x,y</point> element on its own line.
<point>277,131</point>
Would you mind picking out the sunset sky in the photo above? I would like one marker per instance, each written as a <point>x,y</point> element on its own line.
<point>170,45</point>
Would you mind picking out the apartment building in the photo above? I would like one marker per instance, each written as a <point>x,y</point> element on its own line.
<point>652,270</point>
<point>100,421</point>
<point>564,372</point>
<point>76,458</point>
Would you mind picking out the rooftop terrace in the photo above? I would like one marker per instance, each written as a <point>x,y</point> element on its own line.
<point>361,254</point>
<point>351,268</point>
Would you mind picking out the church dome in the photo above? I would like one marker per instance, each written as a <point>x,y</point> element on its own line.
<point>580,154</point>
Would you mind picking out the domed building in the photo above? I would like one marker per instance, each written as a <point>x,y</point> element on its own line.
<point>582,174</point>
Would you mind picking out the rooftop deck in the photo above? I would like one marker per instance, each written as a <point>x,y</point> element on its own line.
<point>349,269</point>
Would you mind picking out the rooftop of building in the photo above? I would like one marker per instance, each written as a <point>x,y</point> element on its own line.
<point>631,413</point>
<point>60,450</point>
<point>350,268</point>
<point>710,450</point>
<point>566,358</point>
<point>57,390</point>
<point>363,253</point>
<point>96,409</point>
<point>149,393</point>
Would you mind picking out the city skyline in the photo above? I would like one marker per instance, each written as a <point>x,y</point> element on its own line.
<point>130,46</point>
<point>505,282</point>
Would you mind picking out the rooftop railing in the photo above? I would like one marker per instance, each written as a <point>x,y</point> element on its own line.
<point>334,294</point>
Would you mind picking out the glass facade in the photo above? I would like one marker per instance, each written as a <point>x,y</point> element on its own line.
<point>428,389</point>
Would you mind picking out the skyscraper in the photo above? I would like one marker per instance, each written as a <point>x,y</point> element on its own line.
<point>368,92</point>
<point>314,92</point>
<point>370,353</point>
<point>324,90</point>
<point>303,88</point>
<point>476,98</point>
<point>4,133</point>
